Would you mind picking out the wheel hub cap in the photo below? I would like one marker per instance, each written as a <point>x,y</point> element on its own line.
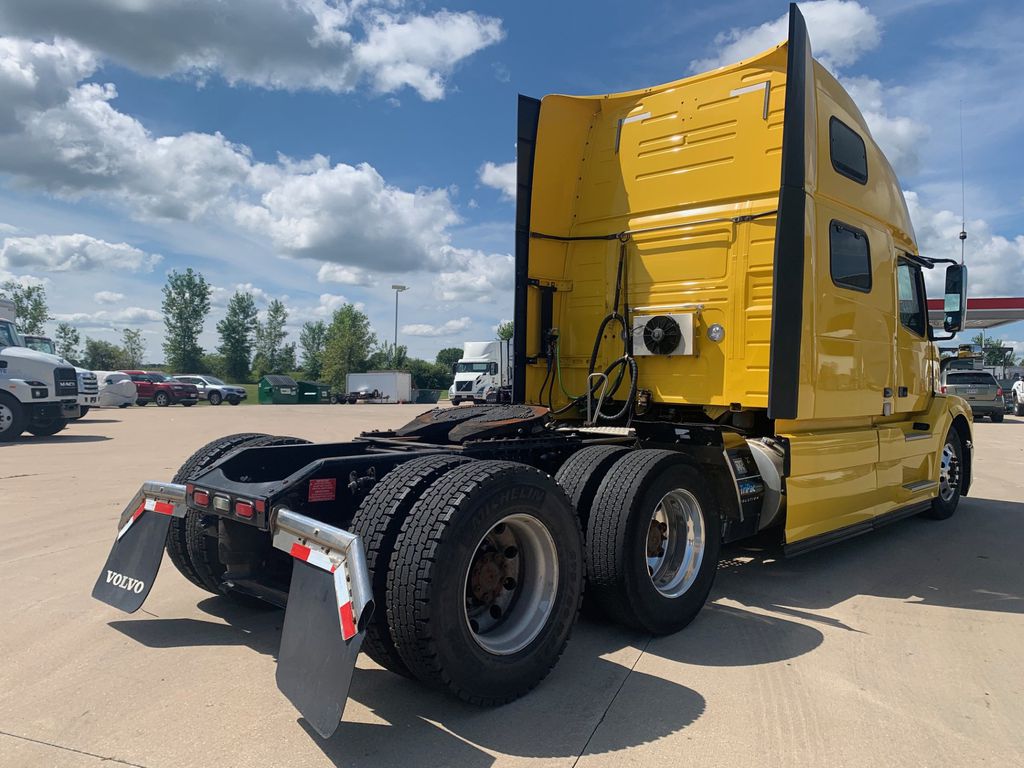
<point>511,583</point>
<point>949,473</point>
<point>675,543</point>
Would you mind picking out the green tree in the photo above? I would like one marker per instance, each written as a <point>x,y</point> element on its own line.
<point>30,310</point>
<point>216,365</point>
<point>237,330</point>
<point>312,338</point>
<point>66,341</point>
<point>286,359</point>
<point>349,343</point>
<point>103,356</point>
<point>429,375</point>
<point>270,336</point>
<point>388,356</point>
<point>134,347</point>
<point>186,304</point>
<point>448,357</point>
<point>505,330</point>
<point>994,352</point>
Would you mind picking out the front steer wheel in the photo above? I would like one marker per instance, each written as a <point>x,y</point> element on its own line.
<point>47,428</point>
<point>951,473</point>
<point>486,581</point>
<point>215,398</point>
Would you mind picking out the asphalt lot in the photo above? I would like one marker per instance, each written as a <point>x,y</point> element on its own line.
<point>902,647</point>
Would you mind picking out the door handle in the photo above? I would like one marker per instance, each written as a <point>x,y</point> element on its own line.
<point>902,391</point>
<point>887,392</point>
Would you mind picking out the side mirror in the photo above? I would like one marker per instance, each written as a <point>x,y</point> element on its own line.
<point>954,309</point>
<point>494,369</point>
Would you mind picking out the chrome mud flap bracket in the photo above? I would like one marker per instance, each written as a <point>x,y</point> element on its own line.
<point>134,560</point>
<point>329,605</point>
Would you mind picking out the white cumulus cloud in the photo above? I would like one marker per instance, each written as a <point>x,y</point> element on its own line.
<point>108,297</point>
<point>840,31</point>
<point>500,177</point>
<point>330,45</point>
<point>471,275</point>
<point>448,328</point>
<point>73,253</point>
<point>109,318</point>
<point>337,273</point>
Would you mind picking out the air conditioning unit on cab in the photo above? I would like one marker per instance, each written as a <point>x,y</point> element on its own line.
<point>663,335</point>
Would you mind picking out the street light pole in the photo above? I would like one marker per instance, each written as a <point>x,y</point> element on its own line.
<point>397,289</point>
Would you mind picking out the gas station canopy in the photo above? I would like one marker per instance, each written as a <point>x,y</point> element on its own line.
<point>982,313</point>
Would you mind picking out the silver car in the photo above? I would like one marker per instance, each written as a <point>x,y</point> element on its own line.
<point>213,389</point>
<point>980,389</point>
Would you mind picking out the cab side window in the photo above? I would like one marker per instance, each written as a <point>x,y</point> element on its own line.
<point>849,257</point>
<point>846,148</point>
<point>910,286</point>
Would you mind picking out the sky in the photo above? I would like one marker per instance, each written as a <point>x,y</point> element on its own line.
<point>319,151</point>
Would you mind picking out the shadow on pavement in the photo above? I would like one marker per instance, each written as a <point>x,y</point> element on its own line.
<point>60,437</point>
<point>970,561</point>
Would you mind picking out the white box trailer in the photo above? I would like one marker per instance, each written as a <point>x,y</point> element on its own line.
<point>391,386</point>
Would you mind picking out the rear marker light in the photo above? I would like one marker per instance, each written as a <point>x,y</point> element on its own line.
<point>243,509</point>
<point>201,499</point>
<point>261,507</point>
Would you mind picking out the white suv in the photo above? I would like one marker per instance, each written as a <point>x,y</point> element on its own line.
<point>213,389</point>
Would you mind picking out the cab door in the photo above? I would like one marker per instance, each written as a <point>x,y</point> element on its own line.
<point>913,385</point>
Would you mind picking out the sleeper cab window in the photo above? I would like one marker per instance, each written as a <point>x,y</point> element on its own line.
<point>846,147</point>
<point>849,257</point>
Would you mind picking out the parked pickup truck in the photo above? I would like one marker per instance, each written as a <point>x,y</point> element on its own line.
<point>163,390</point>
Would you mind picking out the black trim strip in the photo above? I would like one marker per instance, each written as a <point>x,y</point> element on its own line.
<point>788,275</point>
<point>526,144</point>
<point>832,537</point>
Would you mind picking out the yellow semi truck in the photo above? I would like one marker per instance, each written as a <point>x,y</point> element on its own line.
<point>721,329</point>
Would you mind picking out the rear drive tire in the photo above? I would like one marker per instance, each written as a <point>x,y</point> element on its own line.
<point>48,428</point>
<point>203,546</point>
<point>378,521</point>
<point>951,462</point>
<point>486,581</point>
<point>1018,409</point>
<point>12,418</point>
<point>215,398</point>
<point>81,412</point>
<point>997,418</point>
<point>177,539</point>
<point>582,473</point>
<point>162,400</point>
<point>652,541</point>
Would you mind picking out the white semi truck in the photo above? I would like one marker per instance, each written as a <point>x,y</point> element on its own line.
<point>38,392</point>
<point>483,374</point>
<point>88,384</point>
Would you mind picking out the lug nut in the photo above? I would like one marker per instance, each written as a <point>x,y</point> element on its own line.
<point>510,583</point>
<point>510,552</point>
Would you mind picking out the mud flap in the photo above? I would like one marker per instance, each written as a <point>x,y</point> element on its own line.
<point>329,605</point>
<point>315,664</point>
<point>134,560</point>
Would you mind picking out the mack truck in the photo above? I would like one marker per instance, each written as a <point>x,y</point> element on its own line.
<point>721,332</point>
<point>38,391</point>
<point>483,374</point>
<point>88,385</point>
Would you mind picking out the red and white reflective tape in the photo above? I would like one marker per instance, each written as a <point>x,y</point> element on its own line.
<point>147,505</point>
<point>346,613</point>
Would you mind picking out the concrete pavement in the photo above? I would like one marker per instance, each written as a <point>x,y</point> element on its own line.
<point>901,647</point>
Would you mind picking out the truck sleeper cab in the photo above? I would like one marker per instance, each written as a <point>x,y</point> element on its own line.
<point>720,330</point>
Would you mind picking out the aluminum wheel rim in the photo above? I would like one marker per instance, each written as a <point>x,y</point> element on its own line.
<point>675,543</point>
<point>510,584</point>
<point>6,418</point>
<point>949,472</point>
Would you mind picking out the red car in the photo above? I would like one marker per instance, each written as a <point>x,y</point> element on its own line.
<point>163,390</point>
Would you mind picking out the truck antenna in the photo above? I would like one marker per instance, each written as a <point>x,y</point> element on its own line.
<point>963,194</point>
